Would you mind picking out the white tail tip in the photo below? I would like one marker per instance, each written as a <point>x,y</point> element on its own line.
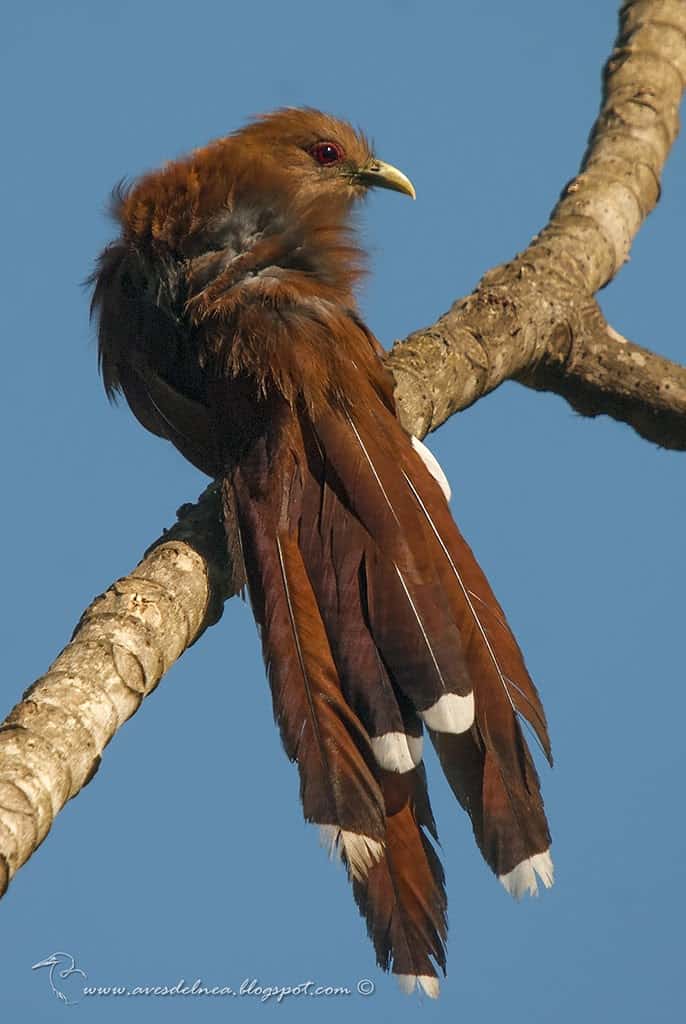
<point>450,713</point>
<point>522,879</point>
<point>361,852</point>
<point>396,751</point>
<point>427,983</point>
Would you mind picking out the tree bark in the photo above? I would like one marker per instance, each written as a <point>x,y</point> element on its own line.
<point>534,319</point>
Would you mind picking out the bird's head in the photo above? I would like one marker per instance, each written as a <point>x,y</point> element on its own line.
<point>324,157</point>
<point>280,189</point>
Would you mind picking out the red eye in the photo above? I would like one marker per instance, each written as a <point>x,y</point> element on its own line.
<point>326,153</point>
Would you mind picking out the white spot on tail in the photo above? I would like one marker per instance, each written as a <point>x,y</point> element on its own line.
<point>361,852</point>
<point>522,879</point>
<point>450,713</point>
<point>428,983</point>
<point>397,752</point>
<point>433,465</point>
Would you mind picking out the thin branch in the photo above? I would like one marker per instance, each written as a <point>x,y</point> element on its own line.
<point>533,319</point>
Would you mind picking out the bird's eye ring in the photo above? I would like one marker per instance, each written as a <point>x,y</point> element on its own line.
<point>326,153</point>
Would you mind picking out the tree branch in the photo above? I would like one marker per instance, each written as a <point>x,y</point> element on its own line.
<point>607,374</point>
<point>533,319</point>
<point>51,743</point>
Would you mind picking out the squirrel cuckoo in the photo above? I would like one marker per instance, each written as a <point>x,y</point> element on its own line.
<point>228,320</point>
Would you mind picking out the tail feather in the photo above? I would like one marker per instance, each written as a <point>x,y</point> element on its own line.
<point>377,622</point>
<point>478,736</point>
<point>411,626</point>
<point>335,546</point>
<point>318,728</point>
<point>490,769</point>
<point>489,646</point>
<point>507,817</point>
<point>403,897</point>
<point>340,716</point>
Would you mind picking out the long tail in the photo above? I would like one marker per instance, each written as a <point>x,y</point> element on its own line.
<point>489,766</point>
<point>339,715</point>
<point>444,639</point>
<point>377,623</point>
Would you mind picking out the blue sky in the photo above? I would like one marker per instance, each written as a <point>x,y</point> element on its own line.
<point>186,857</point>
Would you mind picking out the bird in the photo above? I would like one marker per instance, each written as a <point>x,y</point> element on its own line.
<point>227,318</point>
